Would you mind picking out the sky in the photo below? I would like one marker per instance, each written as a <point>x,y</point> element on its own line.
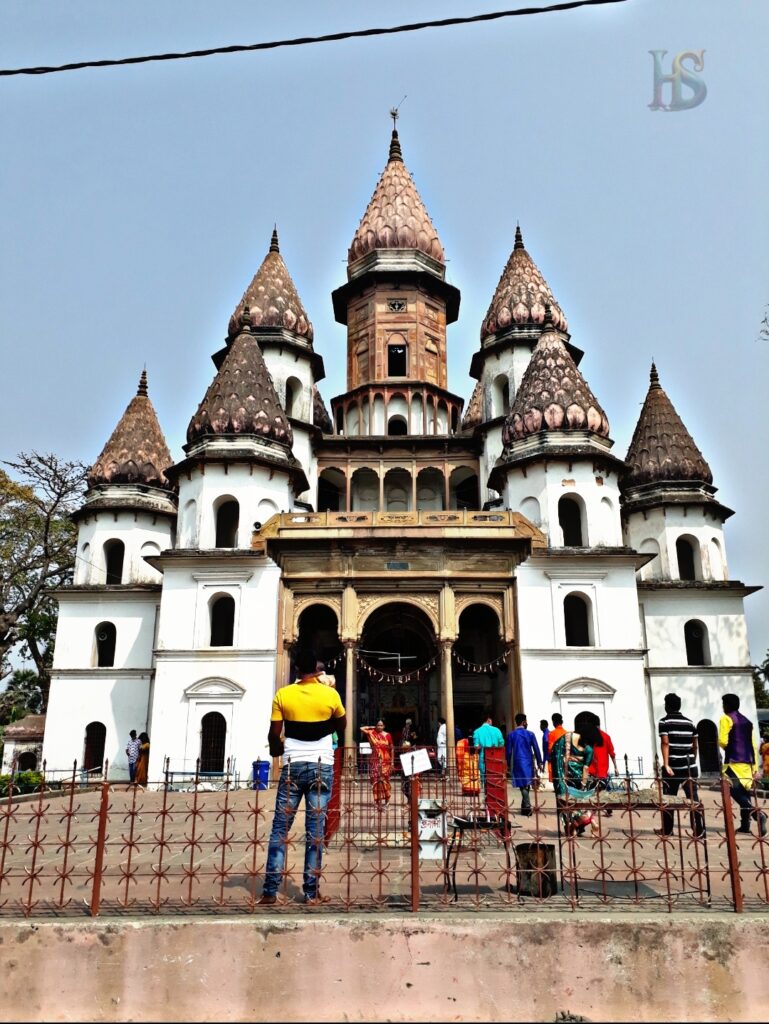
<point>136,203</point>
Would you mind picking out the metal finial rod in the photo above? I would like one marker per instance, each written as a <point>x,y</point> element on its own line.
<point>394,113</point>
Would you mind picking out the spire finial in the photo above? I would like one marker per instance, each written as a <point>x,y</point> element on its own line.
<point>518,237</point>
<point>654,377</point>
<point>548,321</point>
<point>142,389</point>
<point>395,146</point>
<point>274,247</point>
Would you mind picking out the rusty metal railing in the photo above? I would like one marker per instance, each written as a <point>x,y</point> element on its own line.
<point>458,837</point>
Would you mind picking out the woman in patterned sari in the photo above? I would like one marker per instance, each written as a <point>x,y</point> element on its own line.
<point>381,762</point>
<point>571,757</point>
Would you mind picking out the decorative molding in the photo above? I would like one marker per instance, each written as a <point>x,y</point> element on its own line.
<point>221,577</point>
<point>369,603</point>
<point>214,688</point>
<point>585,687</point>
<point>575,575</point>
<point>493,601</point>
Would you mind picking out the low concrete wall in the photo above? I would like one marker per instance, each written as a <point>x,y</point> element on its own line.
<point>485,967</point>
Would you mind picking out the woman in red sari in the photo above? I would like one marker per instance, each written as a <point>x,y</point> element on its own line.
<point>380,763</point>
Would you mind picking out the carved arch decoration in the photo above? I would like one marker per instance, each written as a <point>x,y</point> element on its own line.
<point>305,601</point>
<point>492,601</point>
<point>214,688</point>
<point>369,603</point>
<point>586,687</point>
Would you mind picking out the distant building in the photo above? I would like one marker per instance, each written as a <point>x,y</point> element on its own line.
<point>439,563</point>
<point>23,745</point>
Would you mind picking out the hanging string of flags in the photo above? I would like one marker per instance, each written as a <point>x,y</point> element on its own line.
<point>472,666</point>
<point>396,678</point>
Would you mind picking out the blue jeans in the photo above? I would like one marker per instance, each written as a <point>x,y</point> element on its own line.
<point>297,780</point>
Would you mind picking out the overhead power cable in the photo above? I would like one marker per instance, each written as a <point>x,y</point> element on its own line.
<point>307,40</point>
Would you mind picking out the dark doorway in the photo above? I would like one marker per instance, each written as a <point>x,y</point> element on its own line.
<point>318,631</point>
<point>576,614</point>
<point>27,761</point>
<point>223,621</point>
<point>227,517</point>
<point>707,737</point>
<point>95,738</point>
<point>570,519</point>
<point>685,555</point>
<point>397,363</point>
<point>106,640</point>
<point>697,645</point>
<point>213,742</point>
<point>114,556</point>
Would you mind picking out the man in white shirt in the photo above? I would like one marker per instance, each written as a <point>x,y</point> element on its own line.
<point>441,744</point>
<point>132,750</point>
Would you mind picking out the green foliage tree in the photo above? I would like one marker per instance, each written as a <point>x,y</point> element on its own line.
<point>761,682</point>
<point>37,553</point>
<point>22,696</point>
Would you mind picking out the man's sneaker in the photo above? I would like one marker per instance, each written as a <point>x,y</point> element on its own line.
<point>316,901</point>
<point>761,823</point>
<point>267,901</point>
<point>744,829</point>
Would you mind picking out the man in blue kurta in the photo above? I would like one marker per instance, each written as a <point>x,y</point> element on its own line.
<point>522,754</point>
<point>486,735</point>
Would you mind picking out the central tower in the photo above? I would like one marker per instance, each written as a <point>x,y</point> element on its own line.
<point>396,306</point>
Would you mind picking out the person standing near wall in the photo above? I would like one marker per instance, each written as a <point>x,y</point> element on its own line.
<point>678,745</point>
<point>522,755</point>
<point>132,751</point>
<point>737,739</point>
<point>441,745</point>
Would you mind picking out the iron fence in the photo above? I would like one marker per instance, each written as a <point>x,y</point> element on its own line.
<point>448,839</point>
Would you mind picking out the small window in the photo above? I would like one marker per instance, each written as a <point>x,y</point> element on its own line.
<point>577,621</point>
<point>397,362</point>
<point>293,397</point>
<point>697,643</point>
<point>227,517</point>
<point>570,519</point>
<point>106,639</point>
<point>222,621</point>
<point>687,558</point>
<point>114,555</point>
<point>396,305</point>
<point>397,426</point>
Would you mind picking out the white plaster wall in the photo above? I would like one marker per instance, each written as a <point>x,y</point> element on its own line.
<point>552,480</point>
<point>176,717</point>
<point>665,612</point>
<point>248,484</point>
<point>510,362</point>
<point>303,453</point>
<point>624,713</point>
<point>187,593</point>
<point>141,532</point>
<point>701,691</point>
<point>284,364</point>
<point>118,699</point>
<point>664,526</point>
<point>134,619</point>
<point>610,585</point>
<point>492,449</point>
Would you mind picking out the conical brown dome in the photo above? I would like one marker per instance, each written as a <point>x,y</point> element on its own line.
<point>320,416</point>
<point>553,394</point>
<point>272,298</point>
<point>662,449</point>
<point>242,398</point>
<point>474,411</point>
<point>521,296</point>
<point>396,217</point>
<point>137,452</point>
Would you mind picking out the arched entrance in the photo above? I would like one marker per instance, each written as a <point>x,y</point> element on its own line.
<point>319,631</point>
<point>481,680</point>
<point>707,737</point>
<point>398,672</point>
<point>95,739</point>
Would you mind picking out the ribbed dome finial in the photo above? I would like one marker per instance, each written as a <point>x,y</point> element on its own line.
<point>654,377</point>
<point>521,295</point>
<point>548,321</point>
<point>142,389</point>
<point>274,246</point>
<point>395,148</point>
<point>518,237</point>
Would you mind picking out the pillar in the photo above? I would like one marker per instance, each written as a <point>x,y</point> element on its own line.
<point>447,694</point>
<point>350,692</point>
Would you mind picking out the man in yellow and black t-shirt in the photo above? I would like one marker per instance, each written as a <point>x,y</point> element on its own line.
<point>307,713</point>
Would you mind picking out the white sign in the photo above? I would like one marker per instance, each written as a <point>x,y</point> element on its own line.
<point>365,748</point>
<point>415,761</point>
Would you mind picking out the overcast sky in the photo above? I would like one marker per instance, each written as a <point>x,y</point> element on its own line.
<point>138,202</point>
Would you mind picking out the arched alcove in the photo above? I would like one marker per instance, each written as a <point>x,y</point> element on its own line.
<point>707,747</point>
<point>213,742</point>
<point>114,556</point>
<point>430,490</point>
<point>222,612</point>
<point>331,490</point>
<point>397,356</point>
<point>364,491</point>
<point>688,557</point>
<point>463,489</point>
<point>697,643</point>
<point>93,746</point>
<point>500,396</point>
<point>397,491</point>
<point>105,638</point>
<point>294,397</point>
<point>578,620</point>
<point>572,521</point>
<point>227,513</point>
<point>530,508</point>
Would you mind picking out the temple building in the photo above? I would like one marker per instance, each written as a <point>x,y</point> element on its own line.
<point>441,559</point>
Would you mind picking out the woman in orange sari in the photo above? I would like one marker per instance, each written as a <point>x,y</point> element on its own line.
<point>381,762</point>
<point>140,778</point>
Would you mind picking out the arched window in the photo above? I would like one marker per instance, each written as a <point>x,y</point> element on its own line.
<point>83,570</point>
<point>293,397</point>
<point>570,519</point>
<point>397,491</point>
<point>454,420</point>
<point>653,569</point>
<point>213,742</point>
<point>577,619</point>
<point>716,560</point>
<point>340,420</point>
<point>687,552</point>
<point>114,555</point>
<point>106,638</point>
<point>397,358</point>
<point>364,492</point>
<point>189,530</point>
<point>93,751</point>
<point>27,761</point>
<point>397,426</point>
<point>222,621</point>
<point>530,509</point>
<point>500,396</point>
<point>697,643</point>
<point>227,518</point>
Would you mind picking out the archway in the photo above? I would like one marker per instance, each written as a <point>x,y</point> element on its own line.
<point>95,740</point>
<point>707,736</point>
<point>213,742</point>
<point>398,675</point>
<point>319,631</point>
<point>480,672</point>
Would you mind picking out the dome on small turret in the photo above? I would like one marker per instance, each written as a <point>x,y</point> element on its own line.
<point>242,397</point>
<point>662,449</point>
<point>136,452</point>
<point>272,298</point>
<point>521,296</point>
<point>553,394</point>
<point>396,217</point>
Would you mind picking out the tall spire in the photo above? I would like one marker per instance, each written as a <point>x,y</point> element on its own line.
<point>272,298</point>
<point>396,217</point>
<point>136,452</point>
<point>662,450</point>
<point>521,295</point>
